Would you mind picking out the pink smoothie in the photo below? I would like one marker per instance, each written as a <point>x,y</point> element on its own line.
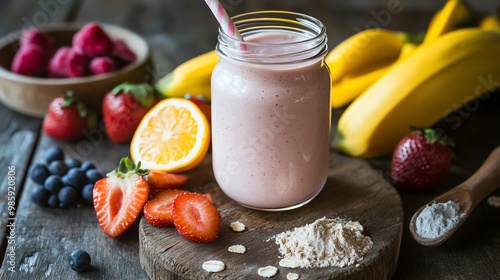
<point>271,129</point>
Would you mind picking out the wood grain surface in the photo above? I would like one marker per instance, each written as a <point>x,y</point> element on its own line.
<point>353,191</point>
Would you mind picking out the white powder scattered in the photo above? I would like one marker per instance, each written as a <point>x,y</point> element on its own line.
<point>437,218</point>
<point>494,201</point>
<point>325,242</point>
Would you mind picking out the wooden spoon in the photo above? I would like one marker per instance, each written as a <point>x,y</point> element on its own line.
<point>468,195</point>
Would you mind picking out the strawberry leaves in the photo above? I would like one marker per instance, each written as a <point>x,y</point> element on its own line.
<point>143,93</point>
<point>126,167</point>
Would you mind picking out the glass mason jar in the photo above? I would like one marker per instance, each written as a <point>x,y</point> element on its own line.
<point>271,111</point>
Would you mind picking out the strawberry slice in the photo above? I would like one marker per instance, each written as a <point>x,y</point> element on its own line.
<point>158,210</point>
<point>195,218</point>
<point>164,180</point>
<point>119,198</point>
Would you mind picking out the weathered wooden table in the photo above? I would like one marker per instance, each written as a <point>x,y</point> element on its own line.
<point>35,241</point>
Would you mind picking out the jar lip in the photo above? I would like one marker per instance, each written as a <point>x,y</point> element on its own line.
<point>270,15</point>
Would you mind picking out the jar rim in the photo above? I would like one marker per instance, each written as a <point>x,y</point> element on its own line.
<point>311,35</point>
<point>274,15</point>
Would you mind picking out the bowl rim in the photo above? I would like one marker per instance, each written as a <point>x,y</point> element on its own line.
<point>10,39</point>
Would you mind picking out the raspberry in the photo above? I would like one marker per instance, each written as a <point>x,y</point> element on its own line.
<point>77,64</point>
<point>102,65</point>
<point>93,41</point>
<point>30,60</point>
<point>57,64</point>
<point>37,37</point>
<point>123,52</point>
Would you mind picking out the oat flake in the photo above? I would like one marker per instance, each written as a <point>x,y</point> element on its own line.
<point>494,201</point>
<point>289,263</point>
<point>239,249</point>
<point>237,226</point>
<point>325,242</point>
<point>213,266</point>
<point>268,271</point>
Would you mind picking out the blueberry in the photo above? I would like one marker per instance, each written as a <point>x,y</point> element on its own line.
<point>53,183</point>
<point>73,163</point>
<point>38,173</point>
<point>76,178</point>
<point>93,176</point>
<point>67,195</point>
<point>87,193</point>
<point>40,195</point>
<point>53,201</point>
<point>54,153</point>
<point>79,260</point>
<point>58,167</point>
<point>87,165</point>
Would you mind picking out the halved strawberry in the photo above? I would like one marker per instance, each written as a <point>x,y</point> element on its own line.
<point>164,180</point>
<point>158,210</point>
<point>119,198</point>
<point>195,217</point>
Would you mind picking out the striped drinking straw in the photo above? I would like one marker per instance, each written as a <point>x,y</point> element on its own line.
<point>225,22</point>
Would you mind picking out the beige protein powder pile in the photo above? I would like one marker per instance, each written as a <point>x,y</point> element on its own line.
<point>325,242</point>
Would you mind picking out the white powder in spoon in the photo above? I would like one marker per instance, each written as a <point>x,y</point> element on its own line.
<point>437,218</point>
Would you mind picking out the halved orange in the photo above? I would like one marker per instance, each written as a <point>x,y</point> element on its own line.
<point>173,136</point>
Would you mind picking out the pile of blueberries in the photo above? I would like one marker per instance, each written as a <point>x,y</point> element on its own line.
<point>63,184</point>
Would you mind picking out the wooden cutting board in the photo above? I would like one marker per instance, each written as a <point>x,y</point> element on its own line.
<point>353,191</point>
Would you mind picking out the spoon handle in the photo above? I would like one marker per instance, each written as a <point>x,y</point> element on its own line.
<point>486,179</point>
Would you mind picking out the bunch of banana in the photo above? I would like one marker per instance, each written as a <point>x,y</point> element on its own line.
<point>454,15</point>
<point>362,59</point>
<point>419,91</point>
<point>191,77</point>
<point>491,22</point>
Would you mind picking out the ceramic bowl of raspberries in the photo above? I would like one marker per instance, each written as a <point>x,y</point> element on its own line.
<point>38,65</point>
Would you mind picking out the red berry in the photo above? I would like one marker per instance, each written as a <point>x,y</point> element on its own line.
<point>123,52</point>
<point>34,36</point>
<point>30,60</point>
<point>119,198</point>
<point>67,119</point>
<point>159,180</point>
<point>102,65</point>
<point>123,109</point>
<point>93,41</point>
<point>58,63</point>
<point>195,218</point>
<point>77,64</point>
<point>419,161</point>
<point>158,210</point>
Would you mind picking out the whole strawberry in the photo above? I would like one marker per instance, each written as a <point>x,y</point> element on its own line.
<point>67,119</point>
<point>123,109</point>
<point>420,160</point>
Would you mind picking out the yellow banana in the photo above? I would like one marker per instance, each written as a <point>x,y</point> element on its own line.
<point>420,91</point>
<point>369,46</point>
<point>192,76</point>
<point>353,84</point>
<point>491,22</point>
<point>453,15</point>
<point>348,88</point>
